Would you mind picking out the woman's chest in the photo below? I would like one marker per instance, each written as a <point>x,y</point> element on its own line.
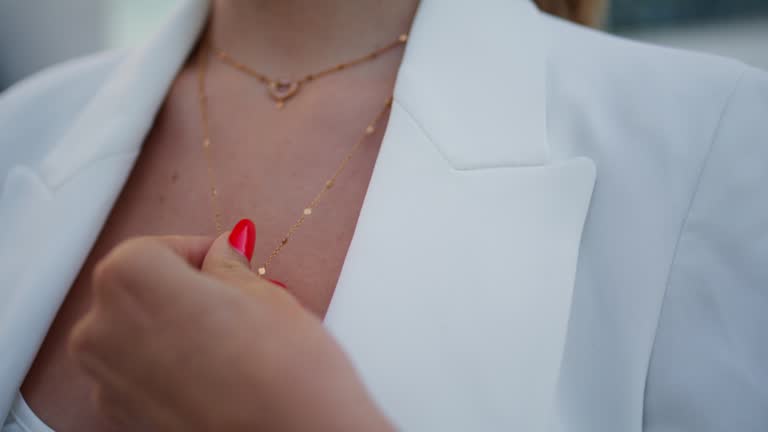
<point>268,173</point>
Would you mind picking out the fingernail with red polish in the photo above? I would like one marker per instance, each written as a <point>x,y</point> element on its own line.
<point>243,238</point>
<point>277,282</point>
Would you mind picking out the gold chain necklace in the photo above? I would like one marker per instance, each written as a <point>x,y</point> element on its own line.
<point>281,90</point>
<point>281,98</point>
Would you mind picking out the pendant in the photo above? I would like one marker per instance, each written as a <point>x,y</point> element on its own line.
<point>282,90</point>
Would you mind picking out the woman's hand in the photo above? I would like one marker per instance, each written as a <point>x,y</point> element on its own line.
<point>182,335</point>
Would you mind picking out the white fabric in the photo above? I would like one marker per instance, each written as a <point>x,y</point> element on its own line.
<point>22,419</point>
<point>527,296</point>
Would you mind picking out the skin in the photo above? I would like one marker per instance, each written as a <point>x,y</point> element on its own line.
<point>172,296</point>
<point>269,165</point>
<point>587,12</point>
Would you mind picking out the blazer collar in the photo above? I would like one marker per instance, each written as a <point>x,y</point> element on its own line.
<point>483,64</point>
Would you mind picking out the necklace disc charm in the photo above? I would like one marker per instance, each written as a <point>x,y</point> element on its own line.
<point>282,90</point>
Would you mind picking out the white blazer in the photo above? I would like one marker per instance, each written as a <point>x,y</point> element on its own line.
<point>606,204</point>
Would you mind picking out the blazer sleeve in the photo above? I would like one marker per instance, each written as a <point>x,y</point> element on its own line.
<point>709,366</point>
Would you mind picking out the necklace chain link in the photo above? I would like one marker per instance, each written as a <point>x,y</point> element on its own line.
<point>281,90</point>
<point>205,54</point>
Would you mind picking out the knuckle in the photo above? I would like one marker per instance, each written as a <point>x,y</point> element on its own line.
<point>82,338</point>
<point>121,263</point>
<point>102,402</point>
<point>78,343</point>
<point>168,237</point>
<point>229,270</point>
<point>229,266</point>
<point>97,396</point>
<point>103,272</point>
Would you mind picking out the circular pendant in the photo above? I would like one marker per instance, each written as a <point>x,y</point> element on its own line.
<point>282,90</point>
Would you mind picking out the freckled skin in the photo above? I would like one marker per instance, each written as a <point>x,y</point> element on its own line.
<point>269,165</point>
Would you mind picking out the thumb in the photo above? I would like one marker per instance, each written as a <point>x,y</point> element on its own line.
<point>229,257</point>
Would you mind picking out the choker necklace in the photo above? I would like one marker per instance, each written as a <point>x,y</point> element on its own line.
<point>281,98</point>
<point>282,90</point>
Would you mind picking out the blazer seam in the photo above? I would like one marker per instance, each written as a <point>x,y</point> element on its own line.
<point>684,224</point>
<point>424,132</point>
<point>62,182</point>
<point>415,121</point>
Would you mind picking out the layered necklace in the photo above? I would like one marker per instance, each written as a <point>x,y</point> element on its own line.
<point>281,91</point>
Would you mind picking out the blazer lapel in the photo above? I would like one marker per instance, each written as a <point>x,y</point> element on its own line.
<point>454,299</point>
<point>122,113</point>
<point>53,212</point>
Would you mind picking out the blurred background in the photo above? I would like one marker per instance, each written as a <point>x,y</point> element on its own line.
<point>36,33</point>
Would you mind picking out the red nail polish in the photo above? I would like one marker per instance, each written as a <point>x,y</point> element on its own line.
<point>243,238</point>
<point>278,283</point>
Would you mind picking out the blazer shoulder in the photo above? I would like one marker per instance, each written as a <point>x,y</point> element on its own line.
<point>673,98</point>
<point>40,107</point>
<point>642,70</point>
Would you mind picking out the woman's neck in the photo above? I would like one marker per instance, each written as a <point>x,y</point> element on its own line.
<point>285,37</point>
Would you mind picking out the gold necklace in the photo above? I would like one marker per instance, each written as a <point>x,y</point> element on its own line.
<point>309,209</point>
<point>281,90</point>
